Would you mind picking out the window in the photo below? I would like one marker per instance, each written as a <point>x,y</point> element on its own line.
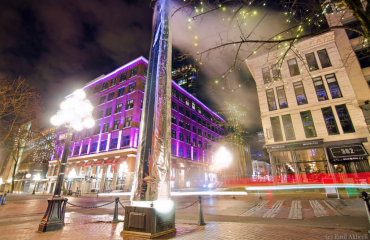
<point>181,151</point>
<point>195,157</point>
<point>199,110</point>
<point>103,145</point>
<point>320,89</point>
<point>353,34</point>
<point>194,117</point>
<point>87,133</point>
<point>212,128</point>
<point>113,82</point>
<point>205,146</point>
<point>204,134</point>
<point>181,123</point>
<point>173,149</point>
<point>174,105</point>
<point>77,150</point>
<point>142,102</point>
<point>129,104</point>
<point>173,134</point>
<point>108,111</point>
<point>93,102</point>
<point>311,62</point>
<point>280,91</point>
<point>208,125</point>
<point>181,97</point>
<point>308,125</point>
<point>94,147</point>
<point>96,89</point>
<point>174,92</point>
<point>187,113</point>
<point>324,58</point>
<point>126,140</point>
<point>174,119</point>
<point>345,119</point>
<point>123,77</point>
<point>363,57</point>
<point>213,139</point>
<point>187,139</point>
<point>181,109</point>
<point>299,92</point>
<point>199,132</point>
<point>194,142</point>
<point>102,99</point>
<point>118,108</point>
<point>200,156</point>
<point>293,67</point>
<point>194,129</point>
<point>333,86</point>
<point>199,120</point>
<point>187,102</point>
<point>271,99</point>
<point>200,144</point>
<point>131,87</point>
<point>105,127</point>
<point>113,143</point>
<point>181,137</point>
<point>143,86</point>
<point>193,105</point>
<point>276,129</point>
<point>187,126</point>
<point>266,75</point>
<point>288,127</point>
<point>127,121</point>
<point>96,129</point>
<point>145,71</point>
<point>188,153</point>
<point>99,114</point>
<point>105,86</point>
<point>110,96</point>
<point>330,123</point>
<point>84,148</point>
<point>133,72</point>
<point>276,74</point>
<point>120,92</point>
<point>116,124</point>
<point>209,136</point>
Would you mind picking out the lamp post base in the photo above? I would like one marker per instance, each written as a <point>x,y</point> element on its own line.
<point>54,216</point>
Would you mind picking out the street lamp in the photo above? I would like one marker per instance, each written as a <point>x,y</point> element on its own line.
<point>37,178</point>
<point>223,159</point>
<point>75,114</point>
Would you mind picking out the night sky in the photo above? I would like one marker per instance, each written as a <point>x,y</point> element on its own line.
<point>59,46</point>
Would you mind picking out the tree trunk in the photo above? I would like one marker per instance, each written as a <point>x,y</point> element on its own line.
<point>14,169</point>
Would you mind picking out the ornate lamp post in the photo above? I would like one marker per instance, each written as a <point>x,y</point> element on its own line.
<point>75,114</point>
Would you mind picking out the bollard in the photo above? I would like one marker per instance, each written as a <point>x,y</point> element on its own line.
<point>233,197</point>
<point>3,202</point>
<point>115,216</point>
<point>201,219</point>
<point>366,198</point>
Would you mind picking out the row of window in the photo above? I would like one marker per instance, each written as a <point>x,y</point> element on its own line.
<point>294,68</point>
<point>187,126</point>
<point>299,91</point>
<point>309,126</point>
<point>181,138</point>
<point>113,81</point>
<point>102,147</point>
<point>118,109</point>
<point>103,99</point>
<point>193,117</point>
<point>187,153</point>
<point>193,105</point>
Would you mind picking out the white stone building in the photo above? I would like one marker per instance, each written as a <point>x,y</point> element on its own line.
<point>313,115</point>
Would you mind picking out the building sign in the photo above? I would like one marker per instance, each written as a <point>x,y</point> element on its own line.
<point>261,136</point>
<point>296,145</point>
<point>348,151</point>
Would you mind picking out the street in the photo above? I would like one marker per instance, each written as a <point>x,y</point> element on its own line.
<point>281,216</point>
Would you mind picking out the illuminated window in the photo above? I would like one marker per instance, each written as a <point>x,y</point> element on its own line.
<point>320,89</point>
<point>293,67</point>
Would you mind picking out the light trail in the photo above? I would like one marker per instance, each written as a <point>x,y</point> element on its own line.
<point>183,193</point>
<point>286,187</point>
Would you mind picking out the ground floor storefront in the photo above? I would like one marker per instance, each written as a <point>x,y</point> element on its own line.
<point>316,162</point>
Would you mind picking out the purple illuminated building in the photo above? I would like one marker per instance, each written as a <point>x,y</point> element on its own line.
<point>103,158</point>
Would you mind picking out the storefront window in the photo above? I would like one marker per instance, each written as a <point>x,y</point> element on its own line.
<point>312,165</point>
<point>284,167</point>
<point>310,155</point>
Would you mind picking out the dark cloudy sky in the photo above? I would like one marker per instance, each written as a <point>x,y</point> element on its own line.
<point>58,46</point>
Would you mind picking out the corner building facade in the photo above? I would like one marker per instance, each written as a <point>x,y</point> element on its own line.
<point>103,158</point>
<point>311,113</point>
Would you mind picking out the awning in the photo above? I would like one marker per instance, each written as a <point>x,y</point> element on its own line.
<point>110,161</point>
<point>80,164</point>
<point>98,162</point>
<point>89,163</point>
<point>121,160</point>
<point>72,165</point>
<point>174,165</point>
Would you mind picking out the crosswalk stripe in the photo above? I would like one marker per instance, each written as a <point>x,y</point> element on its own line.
<point>318,209</point>
<point>331,208</point>
<point>295,210</point>
<point>255,208</point>
<point>271,213</point>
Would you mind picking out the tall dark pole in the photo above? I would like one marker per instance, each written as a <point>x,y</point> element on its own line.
<point>54,216</point>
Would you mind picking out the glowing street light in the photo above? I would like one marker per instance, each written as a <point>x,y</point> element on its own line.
<point>74,114</point>
<point>223,158</point>
<point>1,181</point>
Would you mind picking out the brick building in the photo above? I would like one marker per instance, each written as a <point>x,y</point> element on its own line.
<point>103,158</point>
<point>313,111</point>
